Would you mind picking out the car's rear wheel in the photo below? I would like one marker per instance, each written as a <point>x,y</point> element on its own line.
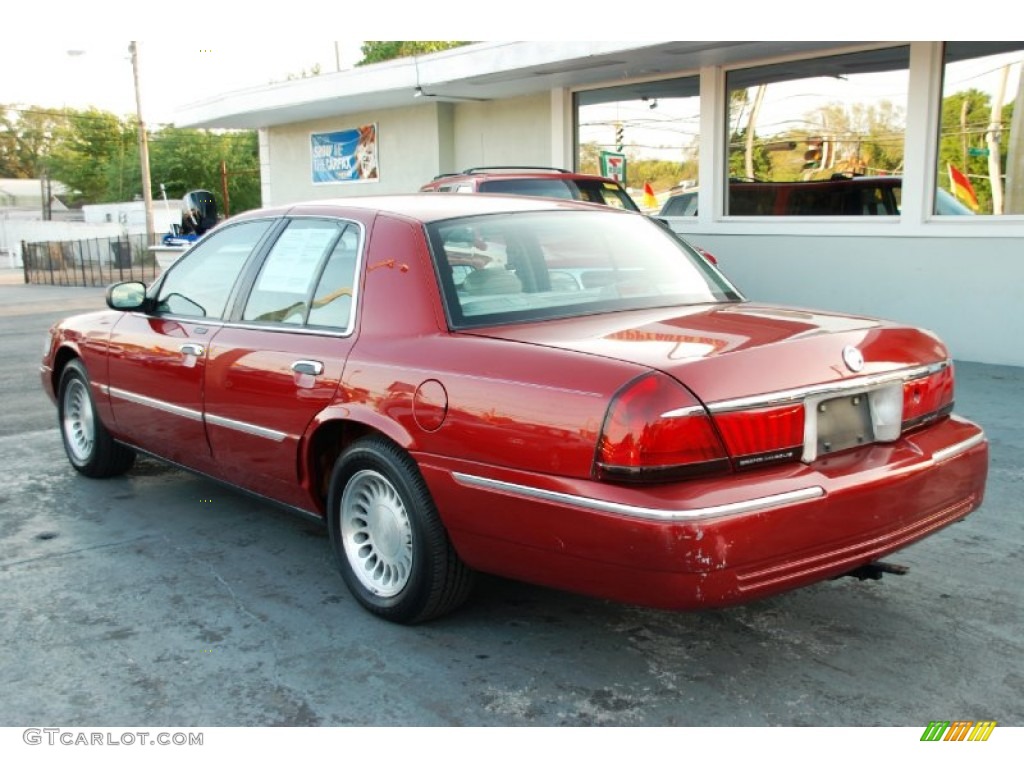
<point>89,446</point>
<point>392,549</point>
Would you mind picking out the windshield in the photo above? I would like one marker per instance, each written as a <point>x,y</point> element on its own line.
<point>526,266</point>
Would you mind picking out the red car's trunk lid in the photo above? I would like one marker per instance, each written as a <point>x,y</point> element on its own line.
<point>730,351</point>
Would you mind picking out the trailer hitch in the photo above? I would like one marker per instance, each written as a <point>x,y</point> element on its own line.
<point>876,570</point>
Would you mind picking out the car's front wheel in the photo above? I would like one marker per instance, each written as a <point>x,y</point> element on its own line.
<point>392,549</point>
<point>90,448</point>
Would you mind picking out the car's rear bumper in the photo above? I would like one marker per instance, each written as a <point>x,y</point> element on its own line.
<point>713,542</point>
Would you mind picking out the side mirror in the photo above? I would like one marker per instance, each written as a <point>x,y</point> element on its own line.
<point>126,296</point>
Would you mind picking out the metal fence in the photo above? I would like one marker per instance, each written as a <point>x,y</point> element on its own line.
<point>95,262</point>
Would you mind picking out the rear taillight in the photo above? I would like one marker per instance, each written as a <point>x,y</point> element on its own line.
<point>763,435</point>
<point>927,398</point>
<point>656,431</point>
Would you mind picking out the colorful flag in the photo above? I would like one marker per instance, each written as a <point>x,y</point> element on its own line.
<point>650,201</point>
<point>961,187</point>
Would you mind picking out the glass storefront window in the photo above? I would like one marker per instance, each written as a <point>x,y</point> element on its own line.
<point>981,136</point>
<point>646,135</point>
<point>826,121</point>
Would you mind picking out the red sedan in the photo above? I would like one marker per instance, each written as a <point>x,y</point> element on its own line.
<point>549,391</point>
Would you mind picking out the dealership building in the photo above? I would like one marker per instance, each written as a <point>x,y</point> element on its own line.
<point>940,116</point>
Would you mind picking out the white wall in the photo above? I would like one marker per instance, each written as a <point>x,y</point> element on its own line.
<point>14,231</point>
<point>414,144</point>
<point>131,216</point>
<point>408,146</point>
<point>967,291</point>
<point>512,131</point>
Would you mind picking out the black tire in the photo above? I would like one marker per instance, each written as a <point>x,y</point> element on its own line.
<point>392,549</point>
<point>89,447</point>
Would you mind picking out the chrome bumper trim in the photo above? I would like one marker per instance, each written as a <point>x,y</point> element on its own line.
<point>958,448</point>
<point>837,388</point>
<point>647,513</point>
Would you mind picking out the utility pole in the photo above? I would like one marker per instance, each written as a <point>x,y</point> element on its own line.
<point>992,138</point>
<point>147,192</point>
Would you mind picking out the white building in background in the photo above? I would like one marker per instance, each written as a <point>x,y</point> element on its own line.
<point>22,218</point>
<point>131,216</point>
<point>548,103</point>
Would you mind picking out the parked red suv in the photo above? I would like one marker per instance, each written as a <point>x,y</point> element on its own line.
<point>536,182</point>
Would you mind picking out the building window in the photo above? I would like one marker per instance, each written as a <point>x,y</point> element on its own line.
<point>646,135</point>
<point>824,120</point>
<point>981,136</point>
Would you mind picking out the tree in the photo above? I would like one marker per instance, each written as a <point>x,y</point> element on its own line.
<point>375,51</point>
<point>96,155</point>
<point>183,159</point>
<point>863,138</point>
<point>760,161</point>
<point>26,138</point>
<point>88,154</point>
<point>966,116</point>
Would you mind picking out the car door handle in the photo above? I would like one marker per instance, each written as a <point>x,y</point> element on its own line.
<point>312,367</point>
<point>191,349</point>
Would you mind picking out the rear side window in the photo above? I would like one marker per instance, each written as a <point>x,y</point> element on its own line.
<point>308,276</point>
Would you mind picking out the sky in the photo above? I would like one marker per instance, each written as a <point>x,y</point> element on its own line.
<point>79,72</point>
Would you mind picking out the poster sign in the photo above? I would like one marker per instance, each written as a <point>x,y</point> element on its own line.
<point>341,156</point>
<point>613,166</point>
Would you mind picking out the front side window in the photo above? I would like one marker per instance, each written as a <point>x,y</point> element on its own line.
<point>981,156</point>
<point>199,284</point>
<point>825,120</point>
<point>529,266</point>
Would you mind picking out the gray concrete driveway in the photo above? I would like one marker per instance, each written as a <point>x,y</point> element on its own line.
<point>164,598</point>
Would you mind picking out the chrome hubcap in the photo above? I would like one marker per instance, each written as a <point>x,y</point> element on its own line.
<point>79,425</point>
<point>376,533</point>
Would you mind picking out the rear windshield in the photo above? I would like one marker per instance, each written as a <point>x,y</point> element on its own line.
<point>532,265</point>
<point>588,190</point>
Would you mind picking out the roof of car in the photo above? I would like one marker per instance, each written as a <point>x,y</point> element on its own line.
<point>425,206</point>
<point>513,172</point>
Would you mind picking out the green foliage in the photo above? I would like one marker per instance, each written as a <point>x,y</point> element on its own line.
<point>660,174</point>
<point>96,155</point>
<point>26,136</point>
<point>85,147</point>
<point>761,157</point>
<point>184,159</point>
<point>966,116</point>
<point>313,71</point>
<point>375,51</point>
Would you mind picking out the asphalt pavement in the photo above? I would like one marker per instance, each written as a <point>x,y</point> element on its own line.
<point>160,597</point>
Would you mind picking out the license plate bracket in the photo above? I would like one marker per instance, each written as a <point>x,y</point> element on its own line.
<point>843,422</point>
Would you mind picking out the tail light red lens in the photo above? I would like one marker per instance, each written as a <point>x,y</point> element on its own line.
<point>655,430</point>
<point>928,398</point>
<point>763,435</point>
